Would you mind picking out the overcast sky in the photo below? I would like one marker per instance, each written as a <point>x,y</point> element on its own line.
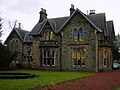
<point>27,11</point>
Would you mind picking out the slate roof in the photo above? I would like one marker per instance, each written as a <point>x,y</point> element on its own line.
<point>100,21</point>
<point>55,23</point>
<point>21,33</point>
<point>110,28</point>
<point>97,20</point>
<point>28,38</point>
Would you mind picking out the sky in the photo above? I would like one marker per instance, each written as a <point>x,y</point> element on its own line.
<point>26,12</point>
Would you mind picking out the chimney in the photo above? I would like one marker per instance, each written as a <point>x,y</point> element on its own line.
<point>72,9</point>
<point>43,14</point>
<point>19,25</point>
<point>92,12</point>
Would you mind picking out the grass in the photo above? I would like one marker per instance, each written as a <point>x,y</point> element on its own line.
<point>43,79</point>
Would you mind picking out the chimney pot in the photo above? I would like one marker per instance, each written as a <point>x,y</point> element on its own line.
<point>19,25</point>
<point>43,15</point>
<point>92,11</point>
<point>72,9</point>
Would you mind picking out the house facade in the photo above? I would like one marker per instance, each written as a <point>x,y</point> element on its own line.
<point>78,42</point>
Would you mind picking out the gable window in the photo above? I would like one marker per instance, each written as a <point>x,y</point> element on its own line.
<point>78,57</point>
<point>81,32</point>
<point>78,34</point>
<point>49,35</point>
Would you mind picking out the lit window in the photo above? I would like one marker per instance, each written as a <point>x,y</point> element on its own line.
<point>78,57</point>
<point>51,35</point>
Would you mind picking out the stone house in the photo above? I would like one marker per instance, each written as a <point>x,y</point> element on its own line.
<point>78,42</point>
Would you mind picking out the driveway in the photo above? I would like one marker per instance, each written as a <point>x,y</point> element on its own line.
<point>102,81</point>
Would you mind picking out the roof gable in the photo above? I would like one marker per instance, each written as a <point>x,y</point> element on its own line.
<point>19,32</point>
<point>80,12</point>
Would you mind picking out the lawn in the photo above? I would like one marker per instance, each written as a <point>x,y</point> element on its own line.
<point>43,79</point>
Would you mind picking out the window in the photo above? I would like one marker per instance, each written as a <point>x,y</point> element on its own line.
<point>81,32</point>
<point>78,34</point>
<point>49,35</point>
<point>105,55</point>
<point>48,57</point>
<point>78,57</point>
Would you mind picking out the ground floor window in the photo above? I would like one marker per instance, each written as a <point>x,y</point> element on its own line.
<point>78,58</point>
<point>48,57</point>
<point>105,57</point>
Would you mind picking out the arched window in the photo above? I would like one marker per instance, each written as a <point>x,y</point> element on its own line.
<point>48,57</point>
<point>76,33</point>
<point>51,35</point>
<point>83,57</point>
<point>105,56</point>
<point>53,57</point>
<point>81,33</point>
<point>78,57</point>
<point>47,35</point>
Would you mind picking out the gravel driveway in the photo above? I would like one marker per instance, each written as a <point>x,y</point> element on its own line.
<point>102,81</point>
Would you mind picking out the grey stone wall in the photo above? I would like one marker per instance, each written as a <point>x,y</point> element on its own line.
<point>88,43</point>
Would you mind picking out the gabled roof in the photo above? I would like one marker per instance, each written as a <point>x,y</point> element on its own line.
<point>55,23</point>
<point>28,38</point>
<point>38,27</point>
<point>77,10</point>
<point>99,20</point>
<point>21,34</point>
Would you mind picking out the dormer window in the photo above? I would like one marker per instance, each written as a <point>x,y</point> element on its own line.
<point>49,35</point>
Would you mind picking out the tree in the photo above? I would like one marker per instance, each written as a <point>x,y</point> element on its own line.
<point>116,48</point>
<point>6,56</point>
<point>0,28</point>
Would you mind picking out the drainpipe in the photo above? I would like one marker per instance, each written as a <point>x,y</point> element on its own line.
<point>96,33</point>
<point>60,51</point>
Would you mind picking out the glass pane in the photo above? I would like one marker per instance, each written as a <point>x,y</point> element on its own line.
<point>48,61</point>
<point>81,32</point>
<point>44,62</point>
<point>52,53</point>
<point>52,61</point>
<point>78,55</point>
<point>51,35</point>
<point>74,55</point>
<point>47,36</point>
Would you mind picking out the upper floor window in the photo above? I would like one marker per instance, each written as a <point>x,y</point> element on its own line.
<point>49,35</point>
<point>76,38</point>
<point>78,34</point>
<point>81,33</point>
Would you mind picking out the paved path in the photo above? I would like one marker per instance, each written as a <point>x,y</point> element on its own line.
<point>102,81</point>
